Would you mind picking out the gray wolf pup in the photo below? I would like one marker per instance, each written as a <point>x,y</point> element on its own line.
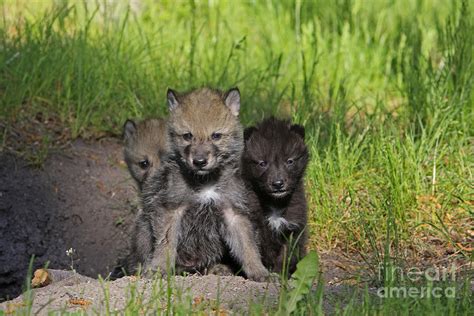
<point>145,147</point>
<point>197,203</point>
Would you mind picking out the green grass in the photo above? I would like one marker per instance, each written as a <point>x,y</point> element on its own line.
<point>384,91</point>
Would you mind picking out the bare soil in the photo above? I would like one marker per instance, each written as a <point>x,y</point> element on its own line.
<point>83,198</point>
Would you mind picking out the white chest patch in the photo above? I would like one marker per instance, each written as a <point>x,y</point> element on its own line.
<point>208,195</point>
<point>277,223</point>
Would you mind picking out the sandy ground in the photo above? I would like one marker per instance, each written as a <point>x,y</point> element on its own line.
<point>233,293</point>
<point>211,293</point>
<point>83,198</point>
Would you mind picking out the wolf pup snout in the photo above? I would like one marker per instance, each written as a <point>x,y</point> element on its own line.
<point>278,185</point>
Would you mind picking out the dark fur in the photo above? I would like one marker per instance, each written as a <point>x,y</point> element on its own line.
<point>199,214</point>
<point>275,142</point>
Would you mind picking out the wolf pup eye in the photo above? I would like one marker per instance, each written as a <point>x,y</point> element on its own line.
<point>262,164</point>
<point>187,136</point>
<point>289,162</point>
<point>216,136</point>
<point>144,164</point>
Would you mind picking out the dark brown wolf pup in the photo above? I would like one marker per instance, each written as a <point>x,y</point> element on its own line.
<point>274,163</point>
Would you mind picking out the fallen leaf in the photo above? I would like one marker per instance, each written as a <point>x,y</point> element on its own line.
<point>101,186</point>
<point>464,248</point>
<point>40,278</point>
<point>198,300</point>
<point>80,302</point>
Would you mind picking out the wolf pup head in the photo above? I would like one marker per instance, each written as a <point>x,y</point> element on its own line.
<point>145,145</point>
<point>204,128</point>
<point>275,157</point>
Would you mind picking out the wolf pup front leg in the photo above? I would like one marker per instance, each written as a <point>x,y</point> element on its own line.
<point>165,227</point>
<point>240,237</point>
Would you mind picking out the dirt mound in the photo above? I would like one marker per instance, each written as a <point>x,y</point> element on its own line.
<point>79,292</point>
<point>190,294</point>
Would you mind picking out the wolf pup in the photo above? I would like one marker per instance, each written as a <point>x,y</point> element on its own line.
<point>197,204</point>
<point>274,162</point>
<point>146,145</point>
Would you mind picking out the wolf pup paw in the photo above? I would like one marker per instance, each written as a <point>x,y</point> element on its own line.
<point>261,275</point>
<point>221,270</point>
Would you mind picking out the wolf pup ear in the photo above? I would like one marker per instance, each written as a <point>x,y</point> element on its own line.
<point>172,99</point>
<point>298,129</point>
<point>232,101</point>
<point>129,129</point>
<point>248,132</point>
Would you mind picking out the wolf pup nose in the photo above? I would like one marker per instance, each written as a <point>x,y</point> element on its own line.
<point>199,162</point>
